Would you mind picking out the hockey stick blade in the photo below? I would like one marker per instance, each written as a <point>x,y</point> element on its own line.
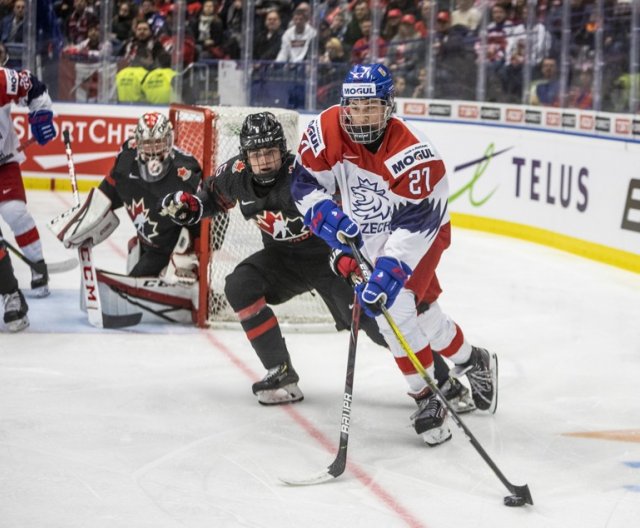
<point>39,267</point>
<point>120,321</point>
<point>62,266</point>
<point>319,478</point>
<point>332,472</point>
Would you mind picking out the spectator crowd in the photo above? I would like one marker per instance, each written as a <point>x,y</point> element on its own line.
<point>410,33</point>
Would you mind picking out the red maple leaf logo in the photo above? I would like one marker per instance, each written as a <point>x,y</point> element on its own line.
<point>238,166</point>
<point>184,173</point>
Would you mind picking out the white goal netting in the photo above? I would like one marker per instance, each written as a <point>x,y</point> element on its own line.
<point>212,136</point>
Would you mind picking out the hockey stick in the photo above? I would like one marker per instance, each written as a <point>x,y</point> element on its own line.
<point>88,281</point>
<point>39,267</point>
<point>520,494</point>
<point>338,466</point>
<point>21,147</point>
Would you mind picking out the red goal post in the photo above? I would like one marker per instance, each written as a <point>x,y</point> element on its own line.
<point>211,135</point>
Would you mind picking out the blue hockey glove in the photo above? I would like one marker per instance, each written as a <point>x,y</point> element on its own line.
<point>183,208</point>
<point>387,279</point>
<point>42,128</point>
<point>326,220</point>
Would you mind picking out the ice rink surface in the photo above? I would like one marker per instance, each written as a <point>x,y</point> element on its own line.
<point>156,426</point>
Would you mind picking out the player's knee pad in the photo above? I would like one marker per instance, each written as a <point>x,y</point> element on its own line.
<point>239,287</point>
<point>438,326</point>
<point>16,215</point>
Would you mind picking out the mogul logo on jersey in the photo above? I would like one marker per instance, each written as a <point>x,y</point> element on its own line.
<point>314,139</point>
<point>184,173</point>
<point>238,166</point>
<point>279,227</point>
<point>403,161</point>
<point>359,90</point>
<point>12,81</point>
<point>139,215</point>
<point>371,205</point>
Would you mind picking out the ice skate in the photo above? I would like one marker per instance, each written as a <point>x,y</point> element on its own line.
<point>40,280</point>
<point>15,311</point>
<point>430,419</point>
<point>482,372</point>
<point>280,385</point>
<point>458,396</point>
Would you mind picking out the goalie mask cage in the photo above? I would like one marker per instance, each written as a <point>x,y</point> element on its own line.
<point>211,135</point>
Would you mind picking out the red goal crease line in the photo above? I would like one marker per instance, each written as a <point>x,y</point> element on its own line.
<point>623,435</point>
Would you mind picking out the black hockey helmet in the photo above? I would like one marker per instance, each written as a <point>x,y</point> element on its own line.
<point>259,131</point>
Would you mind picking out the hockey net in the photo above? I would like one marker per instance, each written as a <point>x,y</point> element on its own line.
<point>211,135</point>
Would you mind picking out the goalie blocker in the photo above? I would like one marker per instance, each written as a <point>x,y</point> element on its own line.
<point>92,222</point>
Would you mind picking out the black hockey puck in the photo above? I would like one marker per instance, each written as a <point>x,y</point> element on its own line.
<point>514,501</point>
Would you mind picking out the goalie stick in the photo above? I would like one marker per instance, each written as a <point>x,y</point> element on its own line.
<point>51,267</point>
<point>88,282</point>
<point>338,466</point>
<point>520,494</point>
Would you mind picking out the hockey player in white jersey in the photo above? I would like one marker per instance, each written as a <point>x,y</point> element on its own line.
<point>362,173</point>
<point>23,88</point>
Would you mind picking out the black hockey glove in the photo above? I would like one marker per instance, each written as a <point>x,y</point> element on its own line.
<point>345,266</point>
<point>183,208</point>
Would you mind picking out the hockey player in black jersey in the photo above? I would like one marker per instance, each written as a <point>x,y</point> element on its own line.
<point>292,261</point>
<point>147,168</point>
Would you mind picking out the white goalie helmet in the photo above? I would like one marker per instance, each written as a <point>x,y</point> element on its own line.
<point>154,142</point>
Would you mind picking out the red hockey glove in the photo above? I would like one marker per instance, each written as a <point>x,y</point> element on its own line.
<point>345,266</point>
<point>183,208</point>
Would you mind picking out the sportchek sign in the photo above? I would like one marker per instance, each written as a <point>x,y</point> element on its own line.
<point>97,132</point>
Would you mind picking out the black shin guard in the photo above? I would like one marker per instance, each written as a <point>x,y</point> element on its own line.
<point>263,331</point>
<point>8,282</point>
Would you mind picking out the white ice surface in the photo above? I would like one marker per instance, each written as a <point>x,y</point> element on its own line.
<point>156,426</point>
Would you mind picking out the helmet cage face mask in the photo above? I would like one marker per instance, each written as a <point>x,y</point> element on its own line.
<point>365,120</point>
<point>367,102</point>
<point>260,136</point>
<point>264,164</point>
<point>154,143</point>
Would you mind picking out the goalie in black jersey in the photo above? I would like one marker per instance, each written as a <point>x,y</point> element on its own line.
<point>293,260</point>
<point>147,168</point>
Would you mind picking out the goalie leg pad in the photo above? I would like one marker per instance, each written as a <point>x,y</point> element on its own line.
<point>91,222</point>
<point>182,267</point>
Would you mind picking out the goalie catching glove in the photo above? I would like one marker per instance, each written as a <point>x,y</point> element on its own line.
<point>387,279</point>
<point>91,222</point>
<point>183,208</point>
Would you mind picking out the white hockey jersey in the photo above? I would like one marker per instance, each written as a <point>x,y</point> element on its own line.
<point>397,196</point>
<point>24,89</point>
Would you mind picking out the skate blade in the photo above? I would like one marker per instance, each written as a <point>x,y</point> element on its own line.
<point>493,364</point>
<point>40,292</point>
<point>462,406</point>
<point>437,436</point>
<point>18,325</point>
<point>288,394</point>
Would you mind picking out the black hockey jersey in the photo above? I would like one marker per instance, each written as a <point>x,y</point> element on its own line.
<point>275,214</point>
<point>125,187</point>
